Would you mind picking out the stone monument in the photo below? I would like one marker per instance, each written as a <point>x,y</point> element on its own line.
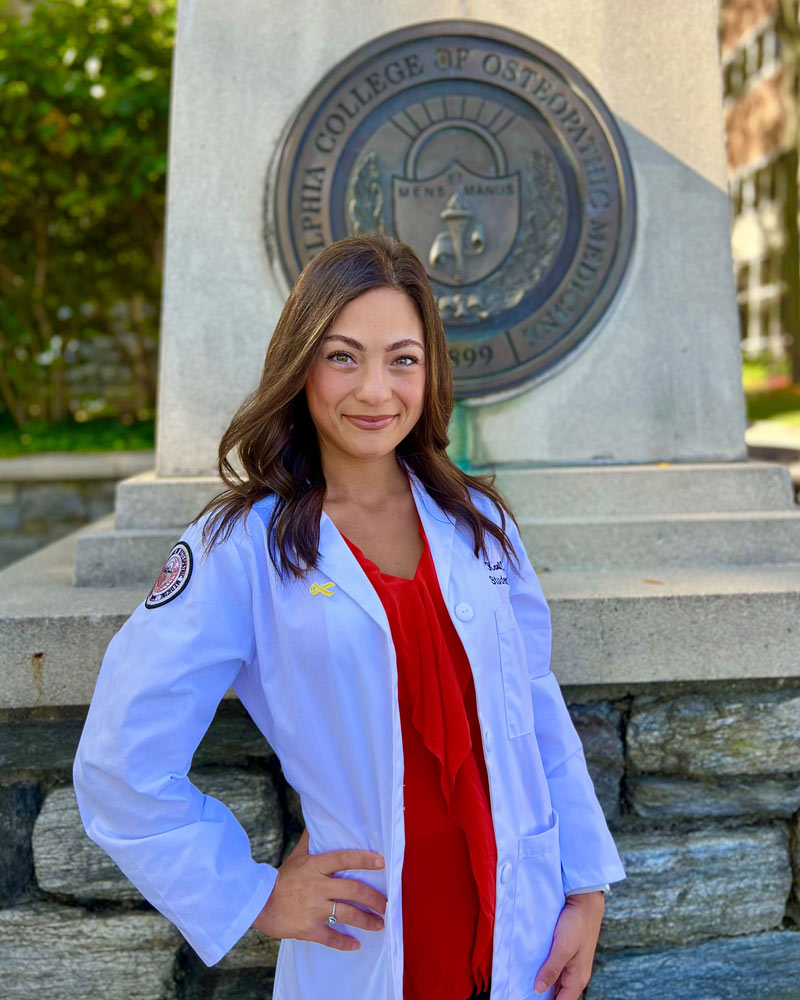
<point>561,171</point>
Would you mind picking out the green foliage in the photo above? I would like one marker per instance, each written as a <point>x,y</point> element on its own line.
<point>769,392</point>
<point>757,371</point>
<point>97,435</point>
<point>782,405</point>
<point>84,101</point>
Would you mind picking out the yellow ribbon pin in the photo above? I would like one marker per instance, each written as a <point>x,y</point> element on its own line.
<point>322,588</point>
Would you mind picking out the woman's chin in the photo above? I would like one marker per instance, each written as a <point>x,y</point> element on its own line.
<point>370,450</point>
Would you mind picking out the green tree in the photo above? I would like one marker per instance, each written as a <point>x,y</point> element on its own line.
<point>84,102</point>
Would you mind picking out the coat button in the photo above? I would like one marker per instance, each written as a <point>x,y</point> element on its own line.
<point>464,611</point>
<point>505,872</point>
<point>487,739</point>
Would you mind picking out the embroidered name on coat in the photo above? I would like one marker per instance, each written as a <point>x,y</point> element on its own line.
<point>496,572</point>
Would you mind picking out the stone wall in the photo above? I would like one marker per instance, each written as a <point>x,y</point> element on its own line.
<point>45,497</point>
<point>699,783</point>
<point>706,821</point>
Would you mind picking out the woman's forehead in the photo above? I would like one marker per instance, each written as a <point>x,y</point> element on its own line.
<point>383,299</point>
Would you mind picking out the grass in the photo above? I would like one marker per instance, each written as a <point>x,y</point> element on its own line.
<point>769,392</point>
<point>94,435</point>
<point>779,405</point>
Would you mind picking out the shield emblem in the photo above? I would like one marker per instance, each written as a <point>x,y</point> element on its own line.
<point>459,223</point>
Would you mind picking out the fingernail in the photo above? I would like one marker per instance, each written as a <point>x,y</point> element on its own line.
<point>541,986</point>
<point>354,946</point>
<point>379,862</point>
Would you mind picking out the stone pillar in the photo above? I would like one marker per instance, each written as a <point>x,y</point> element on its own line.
<point>659,377</point>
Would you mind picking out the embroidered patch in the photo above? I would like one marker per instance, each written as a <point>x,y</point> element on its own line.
<point>173,577</point>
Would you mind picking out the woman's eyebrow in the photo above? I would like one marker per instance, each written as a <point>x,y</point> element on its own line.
<point>406,342</point>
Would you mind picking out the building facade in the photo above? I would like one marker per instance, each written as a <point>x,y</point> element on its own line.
<point>759,42</point>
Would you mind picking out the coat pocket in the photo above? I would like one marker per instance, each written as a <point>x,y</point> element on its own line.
<point>513,664</point>
<point>538,902</point>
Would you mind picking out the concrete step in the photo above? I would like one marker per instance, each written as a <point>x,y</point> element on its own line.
<point>153,502</point>
<point>592,492</point>
<point>106,557</point>
<point>732,539</point>
<point>110,557</point>
<point>730,513</point>
<point>615,626</point>
<point>148,501</point>
<point>56,466</point>
<point>679,623</point>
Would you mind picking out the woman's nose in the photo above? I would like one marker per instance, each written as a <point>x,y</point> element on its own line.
<point>374,386</point>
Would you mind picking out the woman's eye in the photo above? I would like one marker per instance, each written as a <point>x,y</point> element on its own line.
<point>340,357</point>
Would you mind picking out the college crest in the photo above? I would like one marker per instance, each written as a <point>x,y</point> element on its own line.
<point>173,578</point>
<point>495,160</point>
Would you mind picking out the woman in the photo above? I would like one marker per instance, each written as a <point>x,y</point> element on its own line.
<point>382,624</point>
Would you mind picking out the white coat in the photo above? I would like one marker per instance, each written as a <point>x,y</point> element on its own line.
<point>316,670</point>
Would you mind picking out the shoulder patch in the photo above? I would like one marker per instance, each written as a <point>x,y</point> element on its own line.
<point>173,578</point>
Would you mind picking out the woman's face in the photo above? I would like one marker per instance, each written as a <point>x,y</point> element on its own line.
<point>371,364</point>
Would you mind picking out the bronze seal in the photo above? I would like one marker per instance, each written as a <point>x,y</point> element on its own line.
<point>491,156</point>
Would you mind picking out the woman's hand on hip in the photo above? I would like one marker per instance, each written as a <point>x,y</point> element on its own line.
<point>302,897</point>
<point>569,964</point>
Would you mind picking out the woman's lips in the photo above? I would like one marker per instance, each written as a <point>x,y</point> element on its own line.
<point>368,424</point>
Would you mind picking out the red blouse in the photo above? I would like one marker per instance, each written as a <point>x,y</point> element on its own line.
<point>448,878</point>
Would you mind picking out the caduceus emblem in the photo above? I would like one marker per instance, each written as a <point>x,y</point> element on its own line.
<point>464,237</point>
<point>463,222</point>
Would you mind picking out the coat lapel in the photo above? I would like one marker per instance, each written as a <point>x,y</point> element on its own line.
<point>338,565</point>
<point>439,528</point>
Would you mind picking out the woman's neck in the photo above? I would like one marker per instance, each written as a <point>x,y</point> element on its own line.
<point>360,483</point>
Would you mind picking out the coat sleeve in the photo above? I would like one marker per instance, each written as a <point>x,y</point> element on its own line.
<point>160,681</point>
<point>588,854</point>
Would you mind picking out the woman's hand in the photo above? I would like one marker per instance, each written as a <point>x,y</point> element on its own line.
<point>302,898</point>
<point>569,964</point>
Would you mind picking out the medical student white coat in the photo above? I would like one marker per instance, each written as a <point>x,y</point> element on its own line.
<point>316,669</point>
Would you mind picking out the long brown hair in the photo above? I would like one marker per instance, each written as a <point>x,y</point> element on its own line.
<point>274,434</point>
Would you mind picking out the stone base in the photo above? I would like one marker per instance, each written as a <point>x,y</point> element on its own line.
<point>707,900</point>
<point>628,626</point>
